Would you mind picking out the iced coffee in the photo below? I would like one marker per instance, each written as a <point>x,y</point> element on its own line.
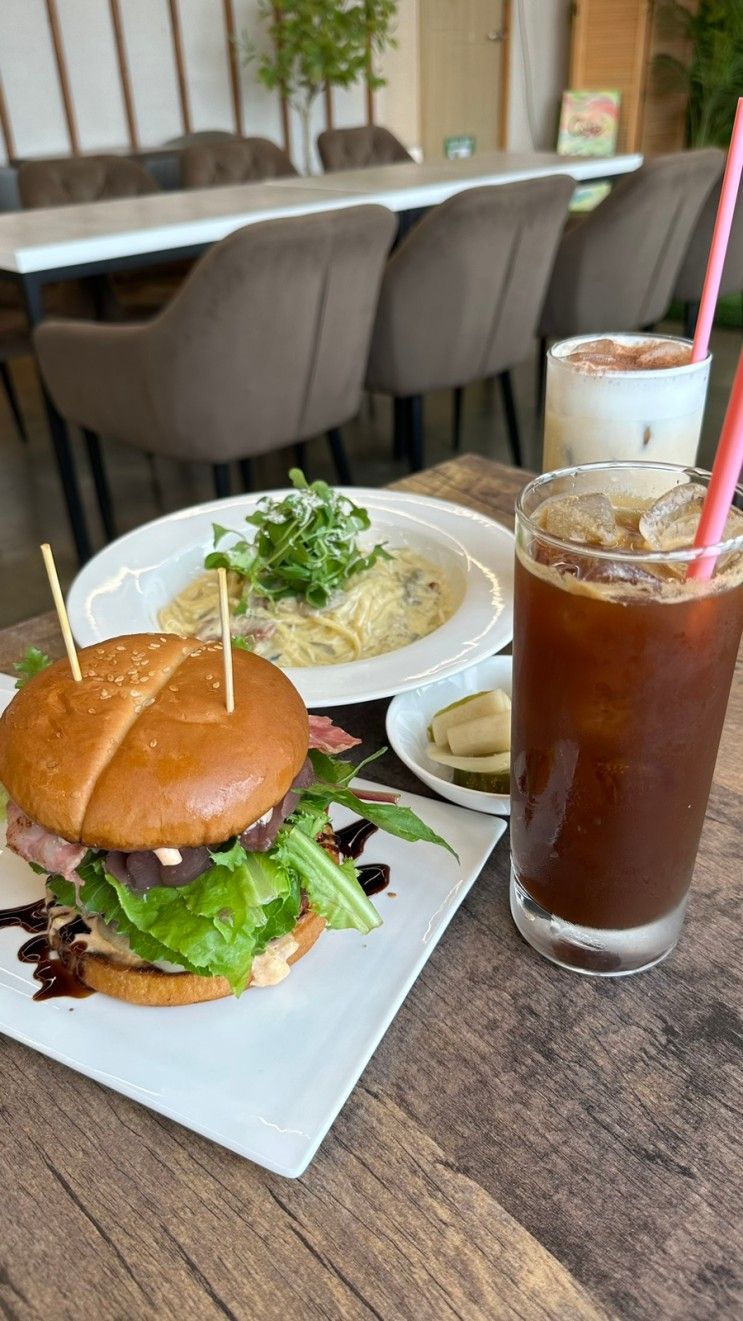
<point>622,669</point>
<point>623,397</point>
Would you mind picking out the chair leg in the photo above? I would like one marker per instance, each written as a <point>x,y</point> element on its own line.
<point>399,428</point>
<point>691,312</point>
<point>456,430</point>
<point>414,405</point>
<point>222,483</point>
<point>158,497</point>
<point>512,421</point>
<point>246,473</point>
<point>541,374</point>
<point>15,407</point>
<point>340,458</point>
<point>100,481</point>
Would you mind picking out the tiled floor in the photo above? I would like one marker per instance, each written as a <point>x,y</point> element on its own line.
<point>31,508</point>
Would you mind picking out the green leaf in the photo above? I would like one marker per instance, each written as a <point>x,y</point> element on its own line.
<point>305,545</point>
<point>333,890</point>
<point>213,926</point>
<point>331,786</point>
<point>400,821</point>
<point>231,858</point>
<point>31,664</point>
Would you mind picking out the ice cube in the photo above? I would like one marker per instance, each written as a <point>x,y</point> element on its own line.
<point>657,354</point>
<point>587,519</point>
<point>671,522</point>
<point>621,571</point>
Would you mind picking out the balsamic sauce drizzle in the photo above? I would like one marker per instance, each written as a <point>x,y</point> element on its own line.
<point>55,978</point>
<point>351,839</point>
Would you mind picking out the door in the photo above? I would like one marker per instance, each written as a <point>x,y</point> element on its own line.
<point>609,51</point>
<point>464,56</point>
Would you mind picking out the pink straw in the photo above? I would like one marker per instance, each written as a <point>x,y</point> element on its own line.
<point>720,238</point>
<point>725,474</point>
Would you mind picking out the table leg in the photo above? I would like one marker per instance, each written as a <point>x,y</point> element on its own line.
<point>60,440</point>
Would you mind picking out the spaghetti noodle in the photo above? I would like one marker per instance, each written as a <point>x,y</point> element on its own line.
<point>387,606</point>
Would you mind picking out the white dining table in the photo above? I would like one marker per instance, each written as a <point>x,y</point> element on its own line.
<point>95,238</point>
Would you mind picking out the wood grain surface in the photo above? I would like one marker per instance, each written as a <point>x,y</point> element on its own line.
<point>524,1143</point>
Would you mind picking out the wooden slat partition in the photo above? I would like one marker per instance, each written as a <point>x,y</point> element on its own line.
<point>180,64</point>
<point>283,102</point>
<point>123,63</point>
<point>505,75</point>
<point>5,126</point>
<point>64,81</point>
<point>233,64</point>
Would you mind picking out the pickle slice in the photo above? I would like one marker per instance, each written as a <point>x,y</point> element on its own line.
<point>490,702</point>
<point>497,783</point>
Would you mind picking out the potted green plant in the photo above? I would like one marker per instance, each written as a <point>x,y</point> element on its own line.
<point>317,44</point>
<point>713,76</point>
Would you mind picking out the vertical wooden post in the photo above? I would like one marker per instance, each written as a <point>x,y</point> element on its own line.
<point>180,66</point>
<point>126,86</point>
<point>284,104</point>
<point>230,34</point>
<point>369,70</point>
<point>64,81</point>
<point>5,126</point>
<point>505,76</point>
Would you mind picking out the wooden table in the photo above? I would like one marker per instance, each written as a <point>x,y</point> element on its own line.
<point>524,1143</point>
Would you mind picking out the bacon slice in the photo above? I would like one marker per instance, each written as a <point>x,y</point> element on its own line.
<point>35,844</point>
<point>327,737</point>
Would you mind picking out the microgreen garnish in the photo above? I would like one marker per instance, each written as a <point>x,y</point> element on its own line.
<point>30,665</point>
<point>306,544</point>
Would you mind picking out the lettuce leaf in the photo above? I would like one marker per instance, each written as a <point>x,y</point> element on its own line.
<point>333,889</point>
<point>212,926</point>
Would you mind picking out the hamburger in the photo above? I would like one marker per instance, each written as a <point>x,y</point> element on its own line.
<point>187,851</point>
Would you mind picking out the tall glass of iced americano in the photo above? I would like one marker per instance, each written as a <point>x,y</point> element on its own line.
<point>623,660</point>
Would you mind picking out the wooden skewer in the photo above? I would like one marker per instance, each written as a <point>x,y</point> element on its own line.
<point>224,615</point>
<point>59,606</point>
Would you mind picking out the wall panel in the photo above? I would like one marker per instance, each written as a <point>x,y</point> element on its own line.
<point>149,44</point>
<point>207,70</point>
<point>95,86</point>
<point>30,80</point>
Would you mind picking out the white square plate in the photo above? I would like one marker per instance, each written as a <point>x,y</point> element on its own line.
<point>267,1074</point>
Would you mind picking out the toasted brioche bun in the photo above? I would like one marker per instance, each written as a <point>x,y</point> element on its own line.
<point>142,753</point>
<point>150,986</point>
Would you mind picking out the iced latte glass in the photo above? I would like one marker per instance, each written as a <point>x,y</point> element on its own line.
<point>622,669</point>
<point>623,397</point>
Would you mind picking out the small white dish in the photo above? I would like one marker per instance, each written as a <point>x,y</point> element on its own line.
<point>409,715</point>
<point>264,1075</point>
<point>124,587</point>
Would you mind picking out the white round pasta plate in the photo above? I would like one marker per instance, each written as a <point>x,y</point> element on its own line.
<point>124,587</point>
<point>410,714</point>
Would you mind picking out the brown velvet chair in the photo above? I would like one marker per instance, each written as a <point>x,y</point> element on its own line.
<point>690,279</point>
<point>81,179</point>
<point>356,148</point>
<point>461,299</point>
<point>616,270</point>
<point>95,179</point>
<point>247,160</point>
<point>264,346</point>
